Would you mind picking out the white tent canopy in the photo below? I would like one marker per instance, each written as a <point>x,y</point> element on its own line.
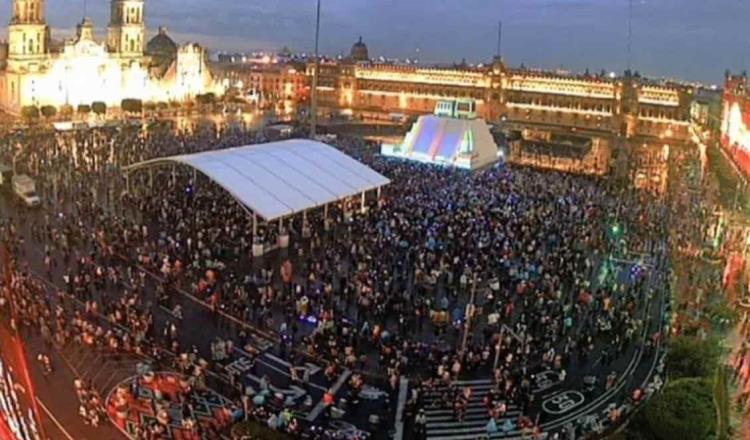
<point>279,179</point>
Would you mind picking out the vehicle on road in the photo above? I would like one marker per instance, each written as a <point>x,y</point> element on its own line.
<point>25,188</point>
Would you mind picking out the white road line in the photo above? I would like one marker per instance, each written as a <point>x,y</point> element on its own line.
<point>54,420</point>
<point>403,389</point>
<point>334,389</point>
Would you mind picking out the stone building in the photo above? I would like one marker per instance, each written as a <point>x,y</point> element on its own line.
<point>517,97</point>
<point>37,72</point>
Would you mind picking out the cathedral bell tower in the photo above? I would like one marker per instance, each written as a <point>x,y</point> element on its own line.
<point>126,29</point>
<point>28,34</point>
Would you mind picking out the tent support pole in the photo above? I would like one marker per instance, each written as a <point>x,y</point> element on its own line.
<point>379,191</point>
<point>363,203</point>
<point>255,226</point>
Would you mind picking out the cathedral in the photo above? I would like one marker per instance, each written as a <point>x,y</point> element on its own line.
<point>35,70</point>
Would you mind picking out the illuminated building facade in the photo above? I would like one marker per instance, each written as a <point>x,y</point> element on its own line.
<point>735,121</point>
<point>268,81</point>
<point>631,106</point>
<point>706,109</point>
<point>37,72</point>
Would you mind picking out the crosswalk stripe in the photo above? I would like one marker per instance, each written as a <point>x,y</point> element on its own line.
<point>473,382</point>
<point>470,416</point>
<point>441,423</point>
<point>441,411</point>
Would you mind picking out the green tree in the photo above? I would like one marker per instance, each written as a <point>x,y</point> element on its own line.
<point>207,98</point>
<point>84,109</point>
<point>721,314</point>
<point>132,105</point>
<point>684,410</point>
<point>99,108</point>
<point>49,111</point>
<point>30,112</point>
<point>66,110</point>
<point>692,357</point>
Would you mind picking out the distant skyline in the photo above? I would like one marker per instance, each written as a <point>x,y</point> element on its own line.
<point>682,39</point>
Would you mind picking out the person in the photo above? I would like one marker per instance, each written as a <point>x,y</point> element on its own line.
<point>416,250</point>
<point>491,427</point>
<point>420,422</point>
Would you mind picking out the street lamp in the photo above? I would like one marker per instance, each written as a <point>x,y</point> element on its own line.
<point>314,98</point>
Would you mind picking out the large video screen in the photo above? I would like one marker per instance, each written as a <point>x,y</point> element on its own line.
<point>735,130</point>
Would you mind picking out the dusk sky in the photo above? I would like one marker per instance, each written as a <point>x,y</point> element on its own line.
<point>688,39</point>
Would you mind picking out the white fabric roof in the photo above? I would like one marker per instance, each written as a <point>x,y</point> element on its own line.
<point>279,179</point>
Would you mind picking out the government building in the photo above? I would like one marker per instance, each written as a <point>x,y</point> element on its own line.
<point>39,71</point>
<point>519,98</point>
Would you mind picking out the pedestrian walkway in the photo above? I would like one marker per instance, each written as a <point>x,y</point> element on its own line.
<point>442,423</point>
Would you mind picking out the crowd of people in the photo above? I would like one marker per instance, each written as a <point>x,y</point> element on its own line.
<point>445,275</point>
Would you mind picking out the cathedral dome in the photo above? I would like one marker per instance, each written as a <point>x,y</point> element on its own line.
<point>359,51</point>
<point>161,47</point>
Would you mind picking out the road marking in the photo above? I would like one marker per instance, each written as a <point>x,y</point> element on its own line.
<point>403,388</point>
<point>563,402</point>
<point>334,389</point>
<point>54,420</point>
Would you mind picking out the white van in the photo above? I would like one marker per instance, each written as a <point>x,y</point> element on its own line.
<point>25,189</point>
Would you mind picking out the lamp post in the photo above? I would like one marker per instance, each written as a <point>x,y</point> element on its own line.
<point>468,315</point>
<point>316,63</point>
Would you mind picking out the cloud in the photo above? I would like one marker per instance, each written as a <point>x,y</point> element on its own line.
<point>695,39</point>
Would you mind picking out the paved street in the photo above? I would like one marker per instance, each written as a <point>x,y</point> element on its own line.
<point>557,403</point>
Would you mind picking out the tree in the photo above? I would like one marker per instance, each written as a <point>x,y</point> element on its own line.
<point>30,112</point>
<point>49,111</point>
<point>722,315</point>
<point>207,98</point>
<point>66,110</point>
<point>84,109</point>
<point>132,105</point>
<point>99,107</point>
<point>692,357</point>
<point>684,410</point>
